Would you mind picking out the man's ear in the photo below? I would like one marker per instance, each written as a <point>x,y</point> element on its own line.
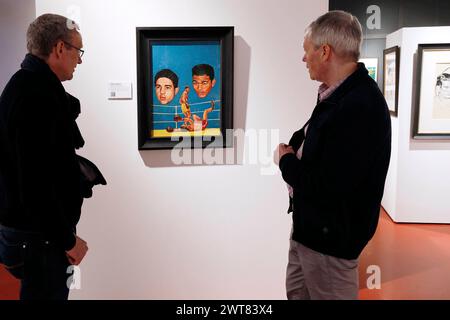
<point>58,49</point>
<point>176,90</point>
<point>326,52</point>
<point>213,83</point>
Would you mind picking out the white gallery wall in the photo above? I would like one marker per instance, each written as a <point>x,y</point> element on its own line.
<point>418,182</point>
<point>15,16</point>
<point>161,231</point>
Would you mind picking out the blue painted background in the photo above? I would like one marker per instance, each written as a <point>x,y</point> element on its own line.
<point>180,57</point>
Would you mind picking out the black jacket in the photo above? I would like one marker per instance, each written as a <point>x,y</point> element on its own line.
<point>39,172</point>
<point>339,181</point>
<point>90,175</point>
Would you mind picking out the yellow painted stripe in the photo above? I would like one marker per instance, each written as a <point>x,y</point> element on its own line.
<point>184,133</point>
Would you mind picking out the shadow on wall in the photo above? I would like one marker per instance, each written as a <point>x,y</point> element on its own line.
<point>216,156</point>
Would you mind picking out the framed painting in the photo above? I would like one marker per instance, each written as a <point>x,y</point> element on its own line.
<point>432,105</point>
<point>371,65</point>
<point>391,72</point>
<point>185,86</point>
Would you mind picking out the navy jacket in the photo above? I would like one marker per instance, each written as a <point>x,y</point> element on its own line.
<point>339,181</point>
<point>39,171</point>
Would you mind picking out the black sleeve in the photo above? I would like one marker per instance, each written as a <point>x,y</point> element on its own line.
<point>43,162</point>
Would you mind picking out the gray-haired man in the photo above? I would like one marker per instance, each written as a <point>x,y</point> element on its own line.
<point>40,195</point>
<point>336,165</point>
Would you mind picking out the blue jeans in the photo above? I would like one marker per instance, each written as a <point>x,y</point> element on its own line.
<point>39,264</point>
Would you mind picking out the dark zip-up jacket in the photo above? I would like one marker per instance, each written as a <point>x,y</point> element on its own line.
<point>339,181</point>
<point>39,171</point>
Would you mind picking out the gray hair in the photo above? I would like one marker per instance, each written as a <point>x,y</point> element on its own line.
<point>44,32</point>
<point>340,30</point>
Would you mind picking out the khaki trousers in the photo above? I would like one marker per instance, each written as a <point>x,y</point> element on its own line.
<point>311,275</point>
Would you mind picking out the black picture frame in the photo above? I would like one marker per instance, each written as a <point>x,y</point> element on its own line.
<point>432,103</point>
<point>177,41</point>
<point>391,76</point>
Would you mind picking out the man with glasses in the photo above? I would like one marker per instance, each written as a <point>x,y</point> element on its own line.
<point>40,196</point>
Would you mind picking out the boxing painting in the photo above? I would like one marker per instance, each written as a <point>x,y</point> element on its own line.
<point>185,87</point>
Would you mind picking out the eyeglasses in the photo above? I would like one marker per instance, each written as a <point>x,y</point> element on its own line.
<point>81,51</point>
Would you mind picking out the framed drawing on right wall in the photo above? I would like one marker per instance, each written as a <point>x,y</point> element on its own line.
<point>391,68</point>
<point>432,105</point>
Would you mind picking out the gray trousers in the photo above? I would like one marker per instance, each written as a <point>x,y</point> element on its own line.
<point>316,276</point>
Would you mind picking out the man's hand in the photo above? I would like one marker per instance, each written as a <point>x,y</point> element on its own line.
<point>77,253</point>
<point>280,151</point>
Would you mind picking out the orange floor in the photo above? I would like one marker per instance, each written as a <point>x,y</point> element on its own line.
<point>413,259</point>
<point>9,286</point>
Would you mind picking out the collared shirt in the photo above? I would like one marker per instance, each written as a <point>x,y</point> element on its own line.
<point>326,91</point>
